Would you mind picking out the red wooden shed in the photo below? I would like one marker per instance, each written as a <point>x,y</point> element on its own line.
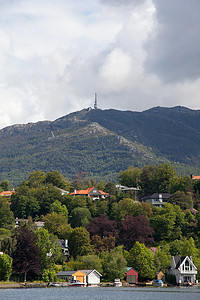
<point>131,276</point>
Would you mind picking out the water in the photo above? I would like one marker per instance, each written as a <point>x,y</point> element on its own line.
<point>100,293</point>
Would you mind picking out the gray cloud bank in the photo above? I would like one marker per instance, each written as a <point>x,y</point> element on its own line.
<point>174,52</point>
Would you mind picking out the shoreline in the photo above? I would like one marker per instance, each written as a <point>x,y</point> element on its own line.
<point>23,285</point>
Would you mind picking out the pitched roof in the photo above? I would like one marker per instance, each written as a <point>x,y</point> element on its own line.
<point>66,273</point>
<point>178,260</point>
<point>87,272</point>
<point>87,192</point>
<point>6,193</point>
<point>195,177</point>
<point>158,195</point>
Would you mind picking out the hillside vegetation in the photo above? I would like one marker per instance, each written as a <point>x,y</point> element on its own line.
<point>102,142</point>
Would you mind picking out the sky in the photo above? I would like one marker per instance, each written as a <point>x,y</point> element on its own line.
<point>135,54</point>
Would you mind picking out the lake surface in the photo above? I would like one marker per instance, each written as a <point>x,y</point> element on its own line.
<point>100,293</point>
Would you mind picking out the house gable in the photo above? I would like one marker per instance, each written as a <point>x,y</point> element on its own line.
<point>187,265</point>
<point>183,269</point>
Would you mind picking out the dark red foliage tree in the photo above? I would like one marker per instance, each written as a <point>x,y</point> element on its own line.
<point>26,256</point>
<point>134,229</point>
<point>102,244</point>
<point>103,227</point>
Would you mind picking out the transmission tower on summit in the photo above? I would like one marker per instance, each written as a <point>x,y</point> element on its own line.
<point>95,101</point>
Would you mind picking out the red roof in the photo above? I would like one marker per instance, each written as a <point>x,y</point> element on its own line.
<point>86,192</point>
<point>195,177</point>
<point>6,193</point>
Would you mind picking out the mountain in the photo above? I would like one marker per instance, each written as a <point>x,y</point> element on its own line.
<point>102,143</point>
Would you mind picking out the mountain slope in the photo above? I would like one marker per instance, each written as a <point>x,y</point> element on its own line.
<point>101,142</point>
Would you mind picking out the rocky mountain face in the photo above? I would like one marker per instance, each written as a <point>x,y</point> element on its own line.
<point>102,143</point>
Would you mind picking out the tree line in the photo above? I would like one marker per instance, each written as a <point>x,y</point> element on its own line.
<point>106,234</point>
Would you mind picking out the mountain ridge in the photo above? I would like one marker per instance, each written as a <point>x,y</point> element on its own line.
<point>101,143</point>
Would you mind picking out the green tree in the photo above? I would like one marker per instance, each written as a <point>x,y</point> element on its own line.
<point>44,244</point>
<point>24,206</point>
<point>163,222</point>
<point>58,180</point>
<point>176,247</point>
<point>163,178</point>
<point>50,251</point>
<point>46,195</point>
<point>90,262</point>
<point>53,221</point>
<point>146,180</point>
<point>182,199</point>
<point>64,231</point>
<point>110,188</point>
<point>80,216</point>
<point>4,233</point>
<point>78,201</point>
<point>114,264</point>
<point>142,259</point>
<point>57,207</point>
<point>7,219</point>
<point>183,184</point>
<point>124,207</point>
<point>4,185</point>
<point>101,207</point>
<point>130,177</point>
<point>5,267</point>
<point>163,257</point>
<point>37,179</point>
<point>79,242</point>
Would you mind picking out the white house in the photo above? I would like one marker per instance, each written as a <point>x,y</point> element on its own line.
<point>183,269</point>
<point>89,277</point>
<point>93,277</point>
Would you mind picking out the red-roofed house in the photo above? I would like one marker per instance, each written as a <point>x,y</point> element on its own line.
<point>195,177</point>
<point>93,193</point>
<point>7,194</point>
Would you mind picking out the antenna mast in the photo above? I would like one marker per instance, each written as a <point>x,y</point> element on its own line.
<point>95,101</point>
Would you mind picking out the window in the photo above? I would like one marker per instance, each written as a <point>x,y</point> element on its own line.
<point>187,266</point>
<point>187,278</point>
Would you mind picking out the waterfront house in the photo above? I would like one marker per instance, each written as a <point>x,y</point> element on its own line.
<point>131,276</point>
<point>65,275</point>
<point>72,275</point>
<point>183,268</point>
<point>93,277</point>
<point>89,277</point>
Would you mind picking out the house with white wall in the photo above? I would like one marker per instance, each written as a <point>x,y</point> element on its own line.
<point>93,277</point>
<point>183,268</point>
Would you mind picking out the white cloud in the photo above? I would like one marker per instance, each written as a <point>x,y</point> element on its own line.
<point>55,55</point>
<point>116,70</point>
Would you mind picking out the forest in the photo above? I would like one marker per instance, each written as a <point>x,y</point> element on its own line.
<point>108,235</point>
